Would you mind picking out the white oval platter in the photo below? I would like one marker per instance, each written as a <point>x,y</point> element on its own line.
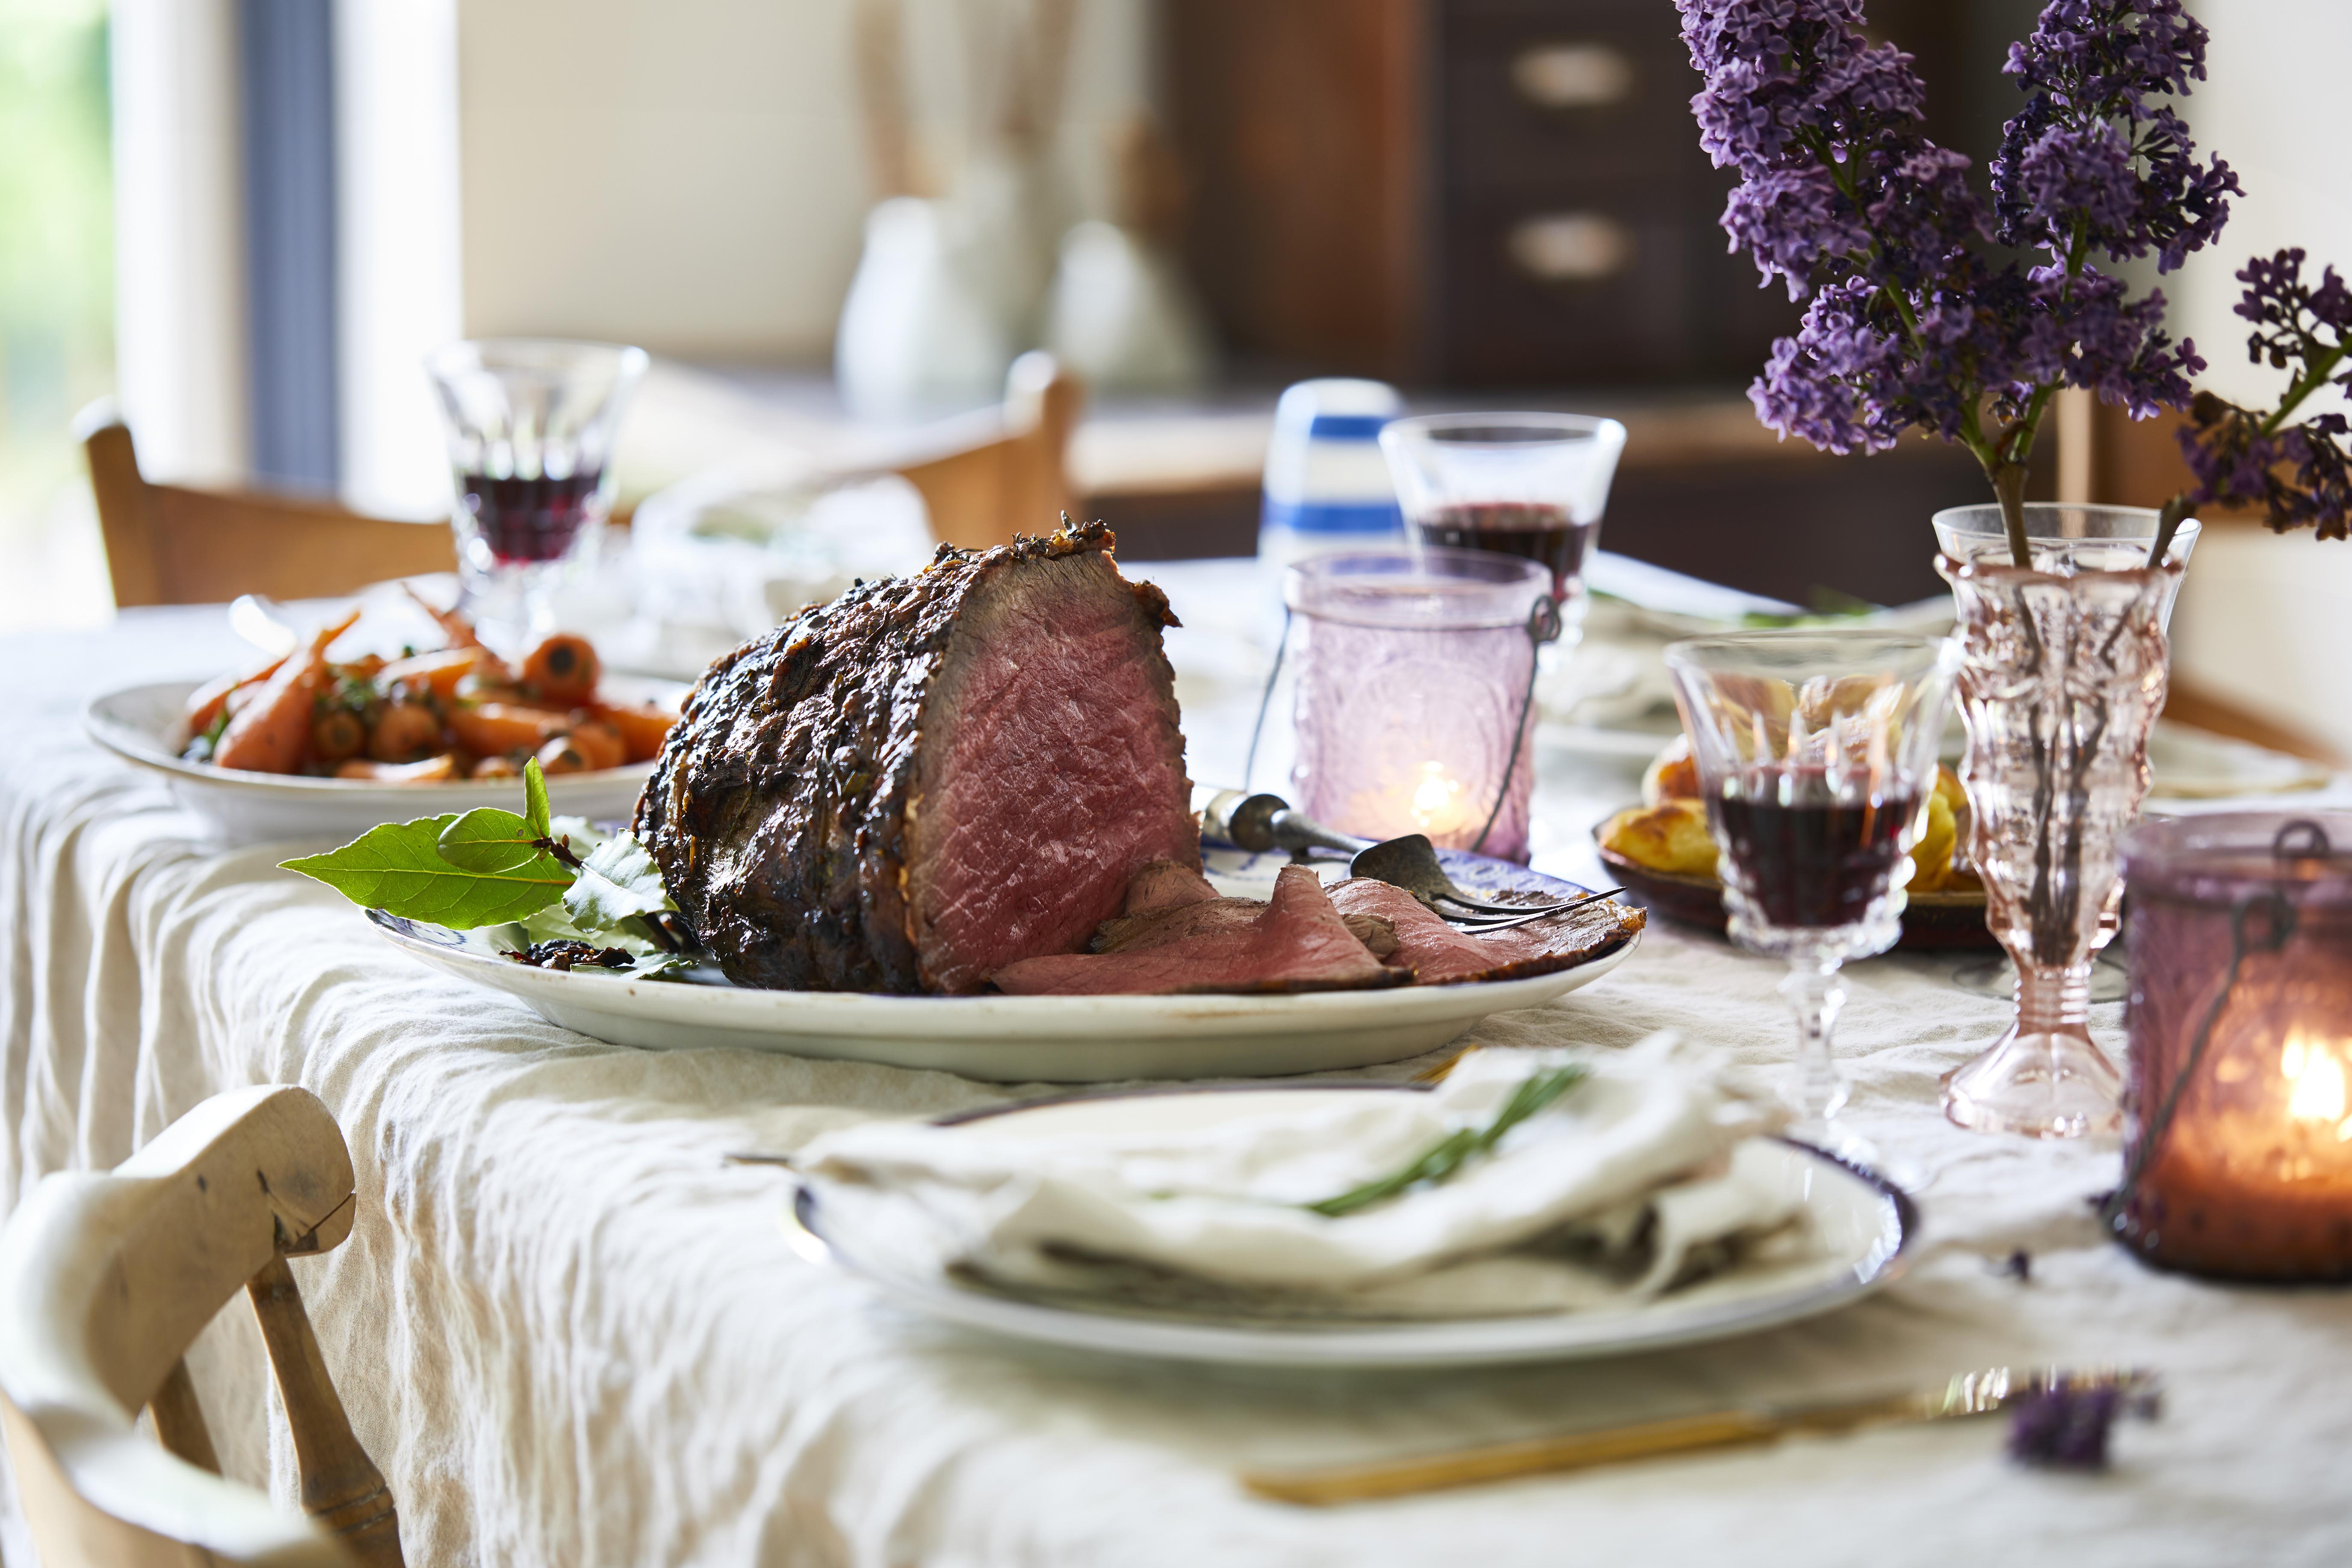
<point>147,725</point>
<point>1020,1040</point>
<point>1865,1226</point>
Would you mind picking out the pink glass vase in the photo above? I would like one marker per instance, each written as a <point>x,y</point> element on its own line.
<point>1412,708</point>
<point>2064,671</point>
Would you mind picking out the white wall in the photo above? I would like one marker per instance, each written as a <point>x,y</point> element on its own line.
<point>2260,617</point>
<point>398,253</point>
<point>179,201</point>
<point>690,174</point>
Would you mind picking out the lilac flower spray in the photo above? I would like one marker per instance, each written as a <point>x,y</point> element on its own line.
<point>1912,320</point>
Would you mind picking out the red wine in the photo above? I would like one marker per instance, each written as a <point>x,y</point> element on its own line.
<point>1815,863</point>
<point>524,521</point>
<point>1531,531</point>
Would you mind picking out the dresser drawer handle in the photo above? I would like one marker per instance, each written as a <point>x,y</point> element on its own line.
<point>1573,76</point>
<point>1570,248</point>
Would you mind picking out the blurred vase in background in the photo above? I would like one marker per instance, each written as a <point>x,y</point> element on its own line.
<point>953,281</point>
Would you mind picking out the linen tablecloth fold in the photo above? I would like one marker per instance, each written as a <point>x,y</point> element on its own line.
<point>569,1333</point>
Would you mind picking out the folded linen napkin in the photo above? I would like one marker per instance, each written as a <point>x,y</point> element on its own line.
<point>1620,1189</point>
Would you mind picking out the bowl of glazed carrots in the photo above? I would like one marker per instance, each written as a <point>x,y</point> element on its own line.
<point>314,740</point>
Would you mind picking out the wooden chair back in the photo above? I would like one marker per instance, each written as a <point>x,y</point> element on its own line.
<point>1004,471</point>
<point>172,544</point>
<point>982,477</point>
<point>106,1278</point>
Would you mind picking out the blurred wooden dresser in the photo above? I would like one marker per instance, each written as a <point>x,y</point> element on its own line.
<point>1471,193</point>
<point>1504,201</point>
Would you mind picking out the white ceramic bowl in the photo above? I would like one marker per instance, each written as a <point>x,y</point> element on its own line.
<point>147,725</point>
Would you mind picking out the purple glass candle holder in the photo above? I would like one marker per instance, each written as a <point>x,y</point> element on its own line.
<point>2238,1105</point>
<point>1412,712</point>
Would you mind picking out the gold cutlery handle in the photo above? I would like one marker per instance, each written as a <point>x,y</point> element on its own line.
<point>1501,1461</point>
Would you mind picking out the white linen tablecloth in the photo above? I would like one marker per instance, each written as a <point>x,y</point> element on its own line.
<point>569,1333</point>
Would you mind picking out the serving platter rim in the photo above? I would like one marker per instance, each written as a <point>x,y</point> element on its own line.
<point>450,949</point>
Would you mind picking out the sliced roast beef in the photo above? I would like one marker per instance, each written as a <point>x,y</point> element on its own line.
<point>1441,954</point>
<point>929,778</point>
<point>1296,942</point>
<point>1166,885</point>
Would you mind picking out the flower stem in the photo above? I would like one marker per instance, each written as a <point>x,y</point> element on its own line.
<point>2009,486</point>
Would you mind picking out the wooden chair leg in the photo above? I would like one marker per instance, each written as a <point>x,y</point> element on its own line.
<point>342,1487</point>
<point>180,1420</point>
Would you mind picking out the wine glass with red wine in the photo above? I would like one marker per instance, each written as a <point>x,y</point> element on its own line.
<point>530,424</point>
<point>1816,756</point>
<point>1530,485</point>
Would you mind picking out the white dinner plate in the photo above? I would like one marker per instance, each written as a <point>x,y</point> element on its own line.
<point>1864,1226</point>
<point>1022,1040</point>
<point>147,725</point>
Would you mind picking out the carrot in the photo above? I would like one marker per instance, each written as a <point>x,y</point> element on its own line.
<point>432,770</point>
<point>404,733</point>
<point>455,627</point>
<point>596,739</point>
<point>337,734</point>
<point>436,672</point>
<point>205,702</point>
<point>563,668</point>
<point>561,756</point>
<point>496,768</point>
<point>503,728</point>
<point>271,733</point>
<point>644,727</point>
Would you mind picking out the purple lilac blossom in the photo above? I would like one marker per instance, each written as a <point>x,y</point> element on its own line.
<point>2300,476</point>
<point>2089,161</point>
<point>2064,1428</point>
<point>1843,197</point>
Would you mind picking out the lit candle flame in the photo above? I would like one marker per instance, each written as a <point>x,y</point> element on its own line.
<point>2315,1070</point>
<point>1437,800</point>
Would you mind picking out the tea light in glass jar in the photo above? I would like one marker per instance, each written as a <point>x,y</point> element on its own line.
<point>1412,700</point>
<point>1440,805</point>
<point>2238,1159</point>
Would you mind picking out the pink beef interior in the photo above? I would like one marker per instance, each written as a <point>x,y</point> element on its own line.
<point>1054,771</point>
<point>1295,943</point>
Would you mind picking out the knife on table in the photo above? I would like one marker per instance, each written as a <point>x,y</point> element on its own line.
<point>1965,1397</point>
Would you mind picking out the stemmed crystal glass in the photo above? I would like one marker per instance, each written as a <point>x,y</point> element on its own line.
<point>529,425</point>
<point>1816,754</point>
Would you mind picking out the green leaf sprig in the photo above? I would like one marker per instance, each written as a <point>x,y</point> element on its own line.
<point>1442,1159</point>
<point>494,868</point>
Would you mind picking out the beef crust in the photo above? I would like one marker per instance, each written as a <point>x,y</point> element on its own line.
<point>780,808</point>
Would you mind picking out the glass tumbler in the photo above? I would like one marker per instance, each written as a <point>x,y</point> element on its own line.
<point>1816,755</point>
<point>1530,485</point>
<point>529,425</point>
<point>1412,708</point>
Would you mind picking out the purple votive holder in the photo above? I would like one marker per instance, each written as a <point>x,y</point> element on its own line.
<point>2238,1105</point>
<point>1412,709</point>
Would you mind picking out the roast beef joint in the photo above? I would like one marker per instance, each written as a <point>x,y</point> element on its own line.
<point>929,778</point>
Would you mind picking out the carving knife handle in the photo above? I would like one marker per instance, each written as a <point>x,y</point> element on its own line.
<point>1501,1461</point>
